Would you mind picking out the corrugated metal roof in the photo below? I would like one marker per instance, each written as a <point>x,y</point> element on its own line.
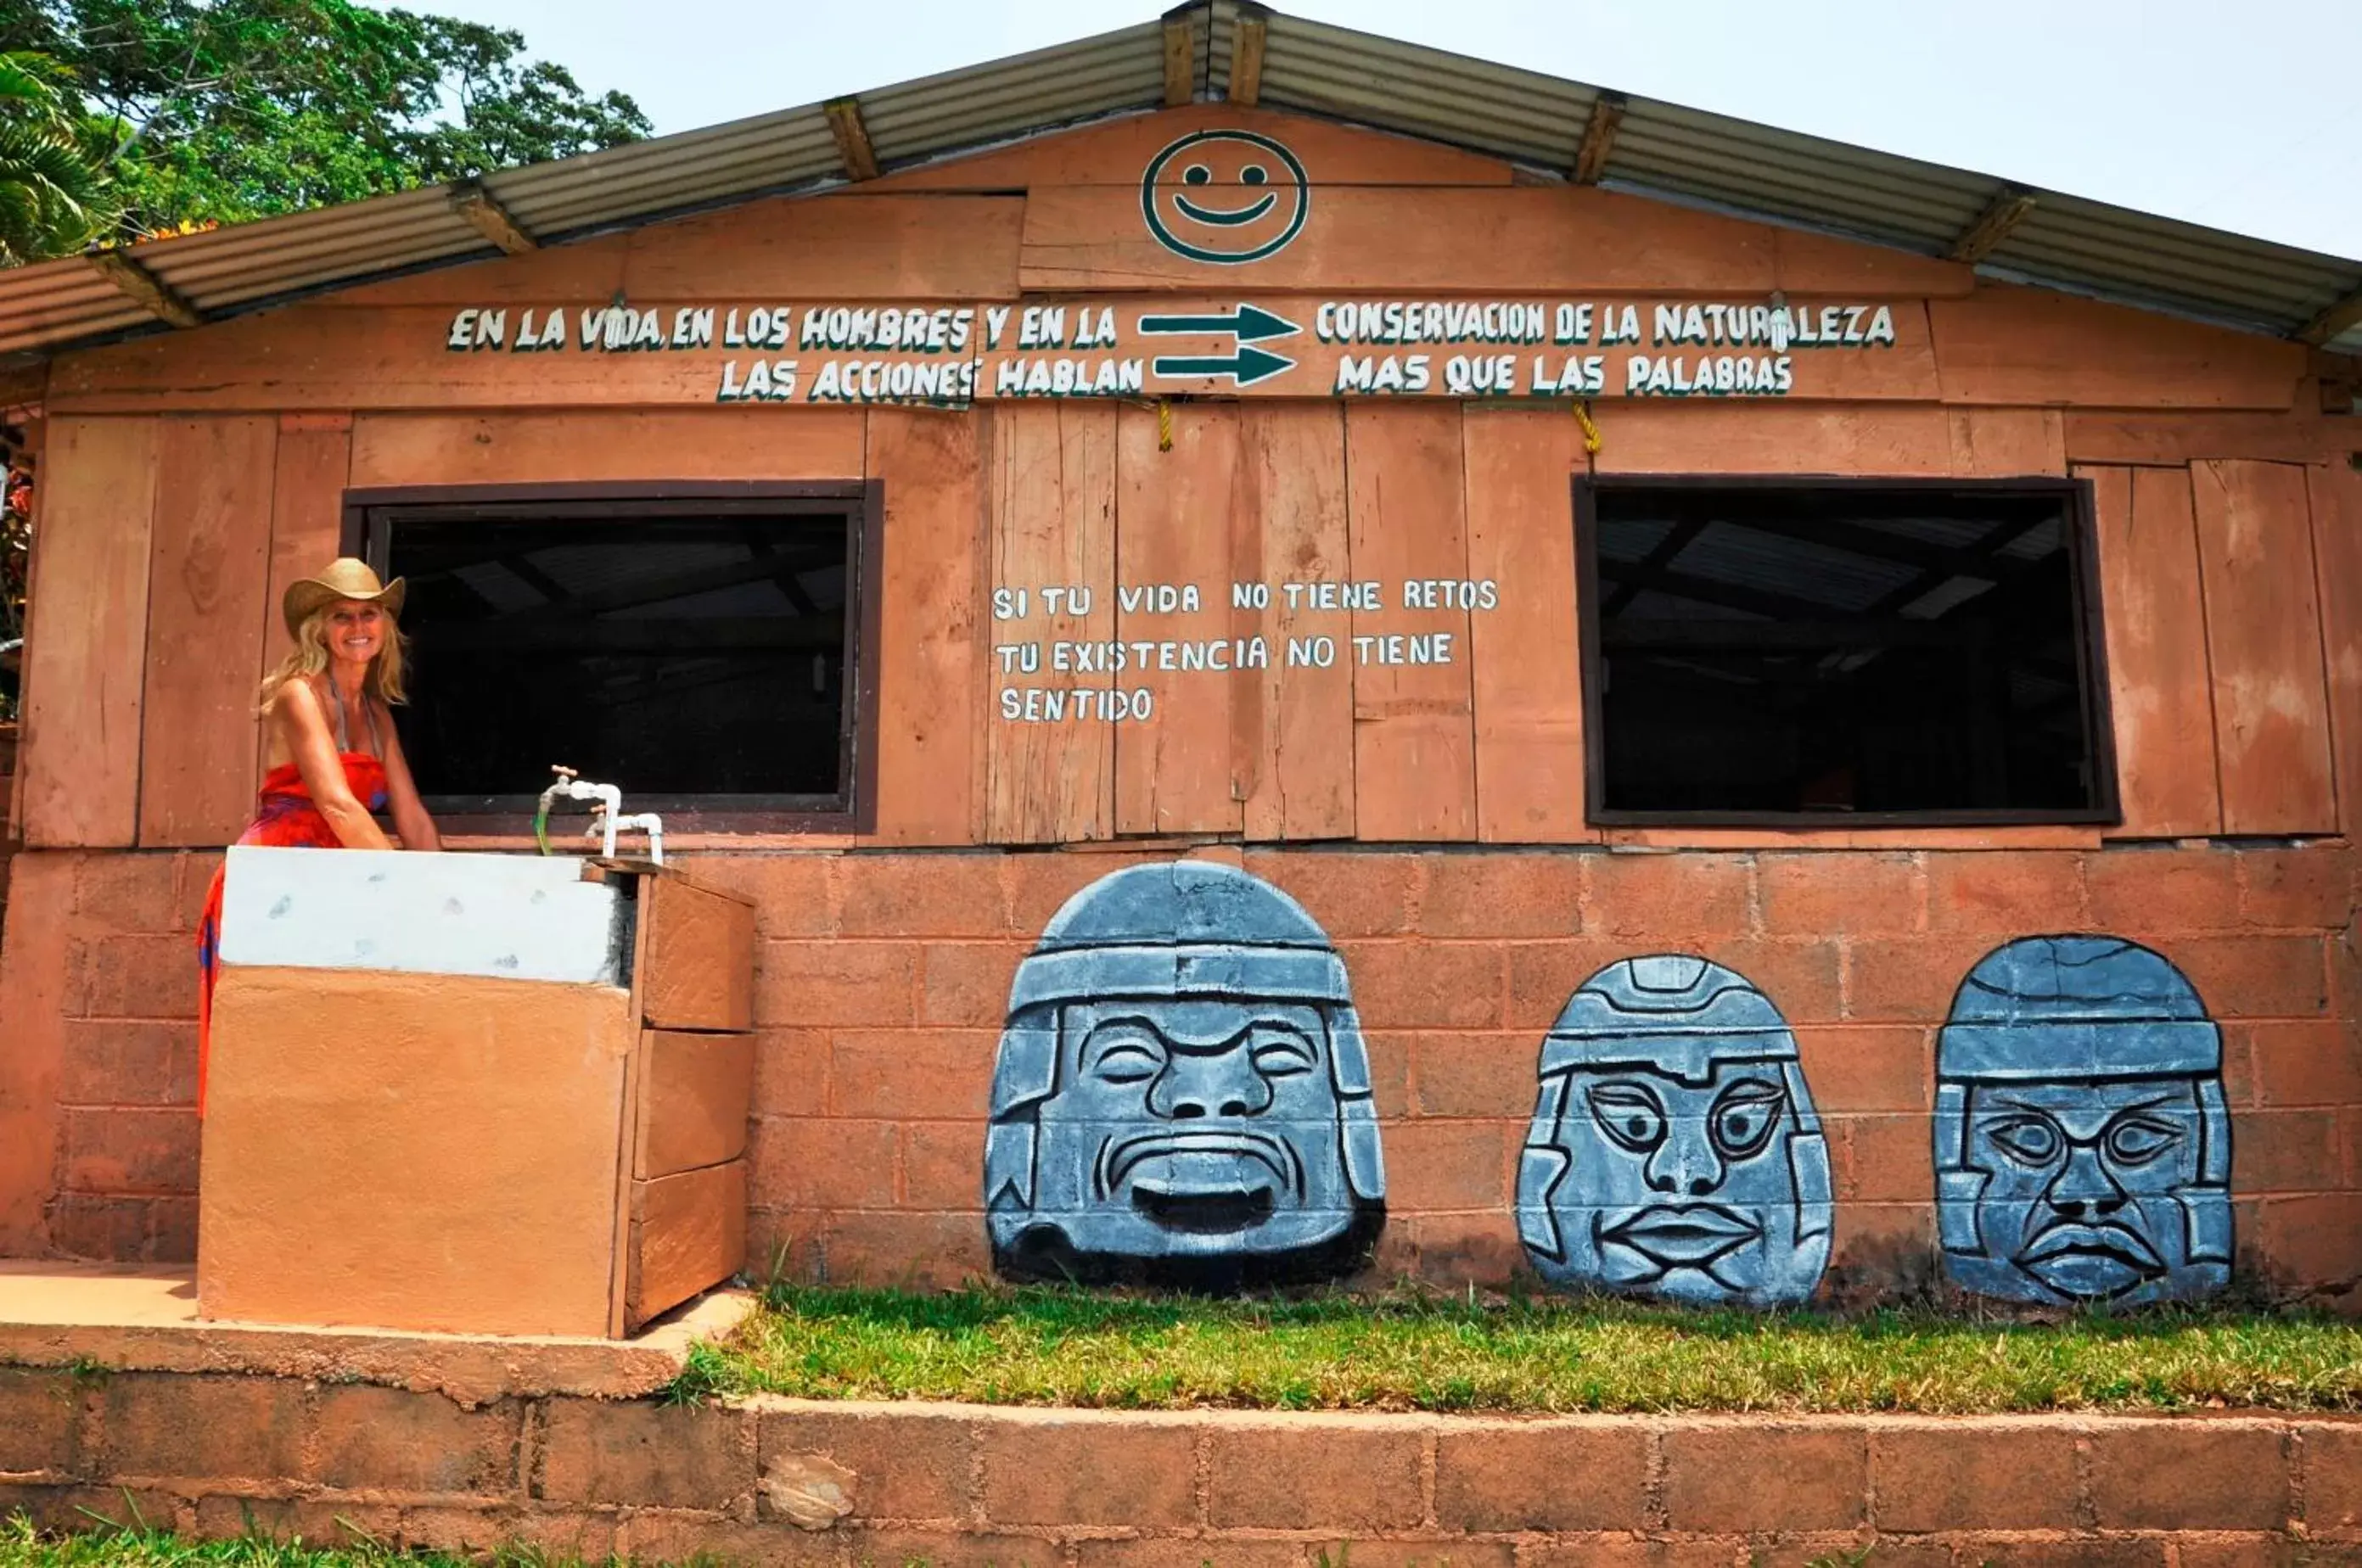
<point>1662,149</point>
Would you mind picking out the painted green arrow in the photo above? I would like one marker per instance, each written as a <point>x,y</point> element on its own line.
<point>1247,367</point>
<point>1246,323</point>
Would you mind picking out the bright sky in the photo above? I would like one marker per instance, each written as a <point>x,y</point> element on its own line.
<point>2241,115</point>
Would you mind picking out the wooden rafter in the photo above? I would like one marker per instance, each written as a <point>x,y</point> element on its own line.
<point>1247,32</point>
<point>1598,138</point>
<point>1677,539</point>
<point>154,295</point>
<point>2333,320</point>
<point>803,557</point>
<point>2010,207</point>
<point>1642,577</point>
<point>852,138</point>
<point>1879,544</point>
<point>495,223</point>
<point>1180,59</point>
<point>2002,536</point>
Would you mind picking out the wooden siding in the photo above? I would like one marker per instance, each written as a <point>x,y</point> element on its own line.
<point>2227,512</point>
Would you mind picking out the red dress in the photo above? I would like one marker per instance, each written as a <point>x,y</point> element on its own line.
<point>285,815</point>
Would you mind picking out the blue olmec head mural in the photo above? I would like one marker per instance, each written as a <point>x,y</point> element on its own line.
<point>2083,1150</point>
<point>1182,1094</point>
<point>1675,1151</point>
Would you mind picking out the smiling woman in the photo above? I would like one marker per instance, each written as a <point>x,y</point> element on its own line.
<point>335,758</point>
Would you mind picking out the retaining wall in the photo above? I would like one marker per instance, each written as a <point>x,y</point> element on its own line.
<point>217,1455</point>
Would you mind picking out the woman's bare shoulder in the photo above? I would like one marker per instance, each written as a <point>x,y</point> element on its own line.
<point>294,701</point>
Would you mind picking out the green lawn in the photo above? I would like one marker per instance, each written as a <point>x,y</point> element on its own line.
<point>22,1547</point>
<point>1041,1347</point>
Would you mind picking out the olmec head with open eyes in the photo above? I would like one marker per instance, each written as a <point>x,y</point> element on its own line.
<point>1182,1088</point>
<point>2082,1148</point>
<point>1674,1150</point>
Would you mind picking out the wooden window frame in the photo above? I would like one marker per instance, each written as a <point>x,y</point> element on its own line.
<point>2091,648</point>
<point>369,515</point>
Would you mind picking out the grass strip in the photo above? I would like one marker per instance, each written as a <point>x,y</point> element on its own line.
<point>1417,1351</point>
<point>111,1545</point>
<point>139,1545</point>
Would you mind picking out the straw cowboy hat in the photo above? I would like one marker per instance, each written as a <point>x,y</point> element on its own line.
<point>345,578</point>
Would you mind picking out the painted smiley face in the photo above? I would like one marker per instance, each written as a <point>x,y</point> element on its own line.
<point>1224,196</point>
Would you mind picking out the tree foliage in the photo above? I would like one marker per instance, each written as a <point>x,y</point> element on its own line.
<point>51,196</point>
<point>217,111</point>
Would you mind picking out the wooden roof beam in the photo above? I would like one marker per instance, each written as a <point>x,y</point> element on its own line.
<point>2010,207</point>
<point>1247,32</point>
<point>1180,56</point>
<point>152,294</point>
<point>2333,320</point>
<point>495,223</point>
<point>852,138</point>
<point>1598,138</point>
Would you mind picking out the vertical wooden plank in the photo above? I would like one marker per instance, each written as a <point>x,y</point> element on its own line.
<point>1174,512</point>
<point>1523,652</point>
<point>931,661</point>
<point>2263,643</point>
<point>1053,527</point>
<point>306,521</point>
<point>78,765</point>
<point>209,576</point>
<point>2336,492</point>
<point>2154,616</point>
<point>1295,462</point>
<point>1414,741</point>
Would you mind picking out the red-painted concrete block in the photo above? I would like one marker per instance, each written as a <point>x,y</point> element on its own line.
<point>2138,888</point>
<point>2006,893</point>
<point>1350,893</point>
<point>158,1425</point>
<point>1090,1470</point>
<point>1558,1476</point>
<point>1841,893</point>
<point>391,1439</point>
<point>966,983</point>
<point>1347,1475</point>
<point>1418,984</point>
<point>905,1467</point>
<point>912,1073</point>
<point>646,1454</point>
<point>2192,1475</point>
<point>1669,900</point>
<point>1762,1476</point>
<point>1502,895</point>
<point>1945,1476</point>
<point>954,894</point>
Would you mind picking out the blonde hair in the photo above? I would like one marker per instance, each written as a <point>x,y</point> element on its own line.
<point>382,681</point>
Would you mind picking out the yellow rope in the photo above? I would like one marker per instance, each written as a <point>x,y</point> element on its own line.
<point>1591,437</point>
<point>1164,425</point>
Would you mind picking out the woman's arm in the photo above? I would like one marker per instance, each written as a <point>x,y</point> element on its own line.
<point>410,817</point>
<point>304,728</point>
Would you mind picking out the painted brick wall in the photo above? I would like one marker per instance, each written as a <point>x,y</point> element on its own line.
<point>222,1455</point>
<point>883,977</point>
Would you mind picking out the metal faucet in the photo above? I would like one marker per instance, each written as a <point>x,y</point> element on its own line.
<point>607,817</point>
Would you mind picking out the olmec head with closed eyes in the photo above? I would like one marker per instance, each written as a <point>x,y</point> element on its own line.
<point>1181,1092</point>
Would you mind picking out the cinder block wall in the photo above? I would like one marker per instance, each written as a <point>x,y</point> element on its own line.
<point>883,978</point>
<point>219,1455</point>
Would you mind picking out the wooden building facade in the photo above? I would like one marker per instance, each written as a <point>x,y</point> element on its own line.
<point>1336,621</point>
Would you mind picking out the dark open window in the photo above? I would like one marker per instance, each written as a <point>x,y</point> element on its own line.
<point>700,646</point>
<point>1777,652</point>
